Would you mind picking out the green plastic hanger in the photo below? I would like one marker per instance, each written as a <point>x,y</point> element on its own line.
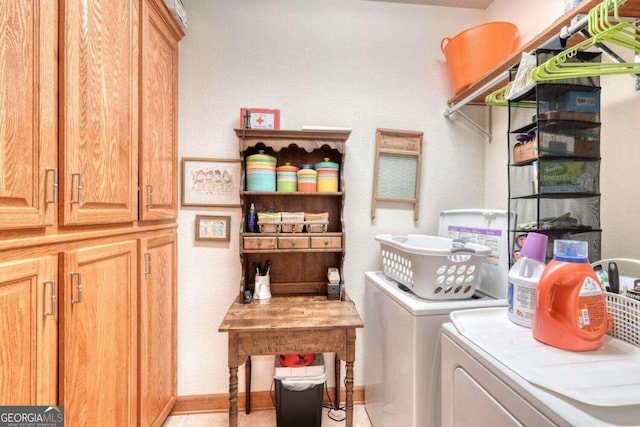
<point>601,27</point>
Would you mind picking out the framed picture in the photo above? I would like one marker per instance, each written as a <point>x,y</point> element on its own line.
<point>213,228</point>
<point>210,182</point>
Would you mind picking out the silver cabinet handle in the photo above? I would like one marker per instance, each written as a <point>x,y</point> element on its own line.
<point>54,191</point>
<point>149,194</point>
<point>79,187</point>
<point>78,287</point>
<point>147,263</point>
<point>53,297</point>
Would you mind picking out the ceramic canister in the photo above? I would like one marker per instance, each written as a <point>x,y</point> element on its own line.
<point>327,175</point>
<point>287,177</point>
<point>307,179</point>
<point>261,172</point>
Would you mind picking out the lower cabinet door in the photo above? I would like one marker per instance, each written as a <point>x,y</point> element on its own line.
<point>99,300</point>
<point>157,328</point>
<point>29,330</point>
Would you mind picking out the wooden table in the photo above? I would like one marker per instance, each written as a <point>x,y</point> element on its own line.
<point>291,324</point>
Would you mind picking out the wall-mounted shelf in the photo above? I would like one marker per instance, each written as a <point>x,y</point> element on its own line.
<point>499,76</point>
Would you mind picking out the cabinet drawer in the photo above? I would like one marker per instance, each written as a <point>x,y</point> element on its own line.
<point>326,242</point>
<point>293,242</point>
<point>260,243</point>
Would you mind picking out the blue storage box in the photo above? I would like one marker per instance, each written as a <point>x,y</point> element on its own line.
<point>580,101</point>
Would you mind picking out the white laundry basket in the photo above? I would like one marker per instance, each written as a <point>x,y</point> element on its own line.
<point>624,311</point>
<point>435,268</point>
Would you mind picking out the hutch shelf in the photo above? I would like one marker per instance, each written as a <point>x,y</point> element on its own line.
<point>299,260</point>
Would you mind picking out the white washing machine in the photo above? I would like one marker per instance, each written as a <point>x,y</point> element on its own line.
<point>494,373</point>
<point>402,336</point>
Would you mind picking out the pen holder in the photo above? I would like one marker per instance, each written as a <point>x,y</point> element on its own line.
<point>262,289</point>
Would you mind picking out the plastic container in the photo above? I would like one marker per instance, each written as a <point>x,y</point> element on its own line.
<point>571,311</point>
<point>473,52</point>
<point>435,268</point>
<point>523,280</point>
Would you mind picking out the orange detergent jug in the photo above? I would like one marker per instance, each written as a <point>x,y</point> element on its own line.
<point>571,311</point>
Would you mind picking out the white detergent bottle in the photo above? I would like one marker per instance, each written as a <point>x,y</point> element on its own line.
<point>524,276</point>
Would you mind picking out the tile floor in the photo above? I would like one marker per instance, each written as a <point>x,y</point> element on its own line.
<point>262,419</point>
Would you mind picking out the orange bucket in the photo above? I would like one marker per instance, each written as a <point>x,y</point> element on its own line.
<point>476,50</point>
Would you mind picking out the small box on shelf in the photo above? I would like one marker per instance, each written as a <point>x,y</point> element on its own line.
<point>567,176</point>
<point>573,101</point>
<point>524,152</point>
<point>259,118</point>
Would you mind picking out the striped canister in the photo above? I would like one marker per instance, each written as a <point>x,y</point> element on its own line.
<point>287,177</point>
<point>327,176</point>
<point>307,179</point>
<point>261,172</point>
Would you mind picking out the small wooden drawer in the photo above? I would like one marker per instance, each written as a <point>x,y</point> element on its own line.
<point>293,242</point>
<point>326,242</point>
<point>260,243</point>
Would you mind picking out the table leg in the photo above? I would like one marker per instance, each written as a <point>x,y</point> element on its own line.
<point>349,394</point>
<point>247,385</point>
<point>233,396</point>
<point>336,401</point>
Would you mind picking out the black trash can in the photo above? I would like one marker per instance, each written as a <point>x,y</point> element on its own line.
<point>299,391</point>
<point>299,408</point>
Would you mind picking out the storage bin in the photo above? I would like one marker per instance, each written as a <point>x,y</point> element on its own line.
<point>316,222</point>
<point>475,51</point>
<point>269,222</point>
<point>435,268</point>
<point>292,222</point>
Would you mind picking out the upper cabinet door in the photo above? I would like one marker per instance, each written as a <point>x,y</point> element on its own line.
<point>28,113</point>
<point>99,111</point>
<point>158,114</point>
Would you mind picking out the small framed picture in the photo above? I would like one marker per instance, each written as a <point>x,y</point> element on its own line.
<point>213,228</point>
<point>210,182</point>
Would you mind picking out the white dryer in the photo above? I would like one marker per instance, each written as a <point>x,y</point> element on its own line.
<point>494,374</point>
<point>402,337</point>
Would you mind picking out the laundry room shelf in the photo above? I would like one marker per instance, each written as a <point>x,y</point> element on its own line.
<point>499,77</point>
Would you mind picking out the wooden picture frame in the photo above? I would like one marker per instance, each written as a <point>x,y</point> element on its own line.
<point>210,182</point>
<point>213,228</point>
<point>396,176</point>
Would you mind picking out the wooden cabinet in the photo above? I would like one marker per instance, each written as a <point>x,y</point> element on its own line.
<point>158,113</point>
<point>28,117</point>
<point>99,50</point>
<point>29,331</point>
<point>157,336</point>
<point>299,260</point>
<point>118,126</point>
<point>88,117</point>
<point>99,319</point>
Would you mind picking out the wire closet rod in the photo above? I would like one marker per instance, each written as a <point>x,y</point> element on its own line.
<point>555,42</point>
